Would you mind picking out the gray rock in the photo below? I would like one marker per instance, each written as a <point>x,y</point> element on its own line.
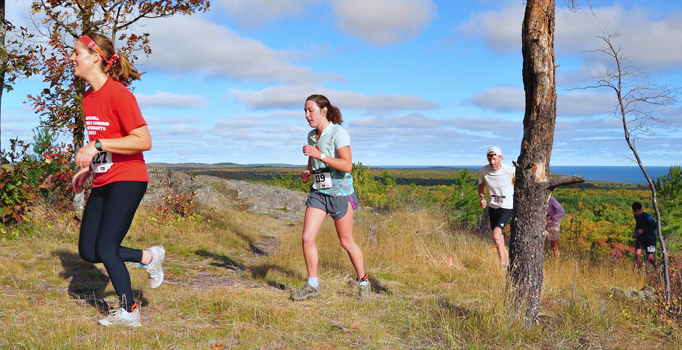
<point>646,293</point>
<point>214,193</point>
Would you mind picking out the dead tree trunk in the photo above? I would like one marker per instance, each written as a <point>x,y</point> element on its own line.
<point>3,61</point>
<point>533,185</point>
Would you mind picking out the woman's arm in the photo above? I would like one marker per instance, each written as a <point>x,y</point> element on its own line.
<point>79,179</point>
<point>305,175</point>
<point>343,163</point>
<point>559,211</point>
<point>137,140</point>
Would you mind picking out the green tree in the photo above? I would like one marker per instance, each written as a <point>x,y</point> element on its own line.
<point>464,201</point>
<point>43,140</point>
<point>669,189</point>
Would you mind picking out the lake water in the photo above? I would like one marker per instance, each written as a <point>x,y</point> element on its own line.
<point>611,173</point>
<point>632,174</point>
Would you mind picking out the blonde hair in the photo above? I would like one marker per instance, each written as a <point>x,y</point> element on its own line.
<point>121,70</point>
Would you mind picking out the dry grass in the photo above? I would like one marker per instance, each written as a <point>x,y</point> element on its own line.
<point>220,293</point>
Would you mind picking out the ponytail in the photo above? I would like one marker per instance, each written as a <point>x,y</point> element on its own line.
<point>115,64</point>
<point>123,71</point>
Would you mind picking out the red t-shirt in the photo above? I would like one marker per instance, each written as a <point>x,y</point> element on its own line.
<point>112,112</point>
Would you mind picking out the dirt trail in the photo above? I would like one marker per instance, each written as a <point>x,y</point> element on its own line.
<point>283,209</point>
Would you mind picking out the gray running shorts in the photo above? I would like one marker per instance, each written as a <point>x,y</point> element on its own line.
<point>335,206</point>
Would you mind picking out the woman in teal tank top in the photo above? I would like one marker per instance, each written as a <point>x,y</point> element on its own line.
<point>329,165</point>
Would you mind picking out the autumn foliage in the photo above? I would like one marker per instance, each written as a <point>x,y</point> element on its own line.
<point>26,177</point>
<point>59,23</point>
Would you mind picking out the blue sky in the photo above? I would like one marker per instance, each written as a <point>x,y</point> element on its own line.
<point>419,82</point>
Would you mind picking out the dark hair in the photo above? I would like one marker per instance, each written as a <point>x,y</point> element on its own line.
<point>636,206</point>
<point>333,113</point>
<point>122,70</point>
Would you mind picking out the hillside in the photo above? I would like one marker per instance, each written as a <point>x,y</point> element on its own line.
<point>231,264</point>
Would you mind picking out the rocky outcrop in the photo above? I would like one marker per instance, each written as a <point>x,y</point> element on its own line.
<point>211,192</point>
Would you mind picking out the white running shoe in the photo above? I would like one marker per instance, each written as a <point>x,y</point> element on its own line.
<point>365,290</point>
<point>155,267</point>
<point>122,317</point>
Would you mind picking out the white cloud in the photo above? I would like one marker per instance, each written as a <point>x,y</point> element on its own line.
<point>170,100</point>
<point>294,96</point>
<point>478,124</point>
<point>412,120</point>
<point>202,47</point>
<point>500,30</point>
<point>174,120</point>
<point>510,98</point>
<point>585,103</point>
<point>504,98</point>
<point>7,118</point>
<point>673,116</point>
<point>13,130</point>
<point>223,127</point>
<point>583,75</point>
<point>183,130</point>
<point>277,122</point>
<point>574,128</point>
<point>255,13</point>
<point>17,12</point>
<point>382,22</point>
<point>653,41</point>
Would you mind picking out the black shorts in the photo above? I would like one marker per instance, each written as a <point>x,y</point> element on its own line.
<point>499,217</point>
<point>648,245</point>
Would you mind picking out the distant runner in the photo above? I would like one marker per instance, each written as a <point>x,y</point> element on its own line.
<point>552,227</point>
<point>118,135</point>
<point>499,179</point>
<point>645,235</point>
<point>329,164</point>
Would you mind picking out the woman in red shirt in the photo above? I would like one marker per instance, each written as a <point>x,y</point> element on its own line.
<point>118,135</point>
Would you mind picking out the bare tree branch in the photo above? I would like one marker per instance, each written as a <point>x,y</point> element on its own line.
<point>564,180</point>
<point>635,110</point>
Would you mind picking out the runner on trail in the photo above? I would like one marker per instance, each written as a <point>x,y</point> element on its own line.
<point>498,178</point>
<point>552,227</point>
<point>329,165</point>
<point>645,235</point>
<point>118,135</point>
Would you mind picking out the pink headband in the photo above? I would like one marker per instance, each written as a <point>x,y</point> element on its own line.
<point>91,44</point>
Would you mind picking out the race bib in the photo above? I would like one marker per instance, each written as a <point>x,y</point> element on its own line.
<point>651,249</point>
<point>497,199</point>
<point>101,162</point>
<point>322,178</point>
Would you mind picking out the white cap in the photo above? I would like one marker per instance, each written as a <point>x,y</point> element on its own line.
<point>495,150</point>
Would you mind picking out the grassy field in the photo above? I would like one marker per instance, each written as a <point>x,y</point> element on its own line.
<point>223,292</point>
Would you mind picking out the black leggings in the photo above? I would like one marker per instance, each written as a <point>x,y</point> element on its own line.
<point>106,220</point>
